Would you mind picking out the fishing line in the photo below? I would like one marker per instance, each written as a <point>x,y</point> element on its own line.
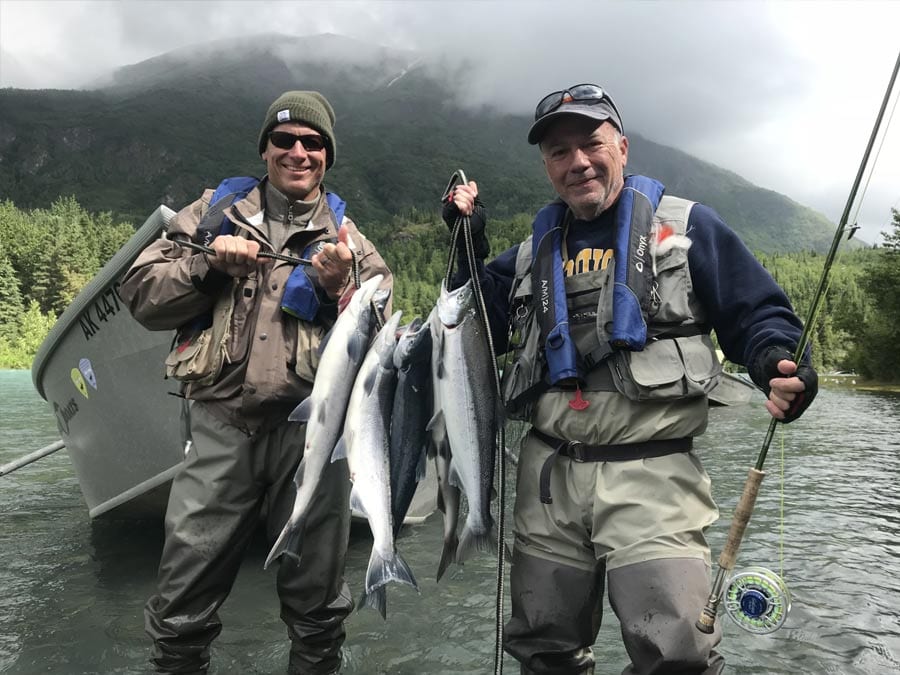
<point>781,513</point>
<point>463,225</point>
<point>765,596</point>
<point>854,219</point>
<point>356,277</point>
<point>500,444</point>
<point>874,162</point>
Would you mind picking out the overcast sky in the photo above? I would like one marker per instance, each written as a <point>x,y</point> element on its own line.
<point>783,93</point>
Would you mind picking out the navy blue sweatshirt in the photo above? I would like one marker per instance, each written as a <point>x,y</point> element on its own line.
<point>744,305</point>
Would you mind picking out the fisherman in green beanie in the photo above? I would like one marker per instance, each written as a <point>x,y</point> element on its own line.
<point>246,351</point>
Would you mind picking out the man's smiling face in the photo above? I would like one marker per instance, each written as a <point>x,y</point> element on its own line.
<point>585,162</point>
<point>297,172</point>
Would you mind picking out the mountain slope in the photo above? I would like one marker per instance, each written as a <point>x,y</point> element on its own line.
<point>164,129</point>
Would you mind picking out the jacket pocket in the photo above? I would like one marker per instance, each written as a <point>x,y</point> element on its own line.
<point>667,369</point>
<point>245,301</point>
<point>198,355</point>
<point>670,301</point>
<point>309,343</point>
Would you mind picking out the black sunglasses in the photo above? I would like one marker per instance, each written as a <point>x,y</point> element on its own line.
<point>580,92</point>
<point>286,141</point>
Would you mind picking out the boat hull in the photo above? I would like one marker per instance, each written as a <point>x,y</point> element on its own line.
<point>733,390</point>
<point>102,373</point>
<point>120,419</point>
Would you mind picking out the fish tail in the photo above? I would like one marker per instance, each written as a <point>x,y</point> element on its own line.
<point>383,570</point>
<point>448,555</point>
<point>288,543</point>
<point>398,512</point>
<point>377,599</point>
<point>482,539</point>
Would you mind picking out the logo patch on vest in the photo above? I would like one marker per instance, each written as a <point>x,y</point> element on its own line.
<point>545,296</point>
<point>639,254</point>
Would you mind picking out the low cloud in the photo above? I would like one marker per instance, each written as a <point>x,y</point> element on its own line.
<point>782,93</point>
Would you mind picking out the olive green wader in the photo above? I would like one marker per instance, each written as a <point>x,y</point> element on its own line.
<point>647,544</point>
<point>214,509</point>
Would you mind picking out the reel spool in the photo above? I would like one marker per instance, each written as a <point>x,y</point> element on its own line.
<point>757,600</point>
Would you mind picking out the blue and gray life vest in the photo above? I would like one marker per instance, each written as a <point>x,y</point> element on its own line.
<point>631,294</point>
<point>299,298</point>
<point>633,328</point>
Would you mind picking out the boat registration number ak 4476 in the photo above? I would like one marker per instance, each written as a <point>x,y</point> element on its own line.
<point>106,306</point>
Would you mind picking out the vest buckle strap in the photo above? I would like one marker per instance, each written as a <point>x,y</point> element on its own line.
<point>575,450</point>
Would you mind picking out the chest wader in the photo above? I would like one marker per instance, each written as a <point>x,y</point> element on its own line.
<point>557,608</point>
<point>554,621</point>
<point>213,512</point>
<point>227,479</point>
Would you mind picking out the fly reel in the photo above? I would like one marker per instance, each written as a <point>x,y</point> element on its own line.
<point>757,600</point>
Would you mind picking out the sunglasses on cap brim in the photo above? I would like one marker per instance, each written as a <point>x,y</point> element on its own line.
<point>584,93</point>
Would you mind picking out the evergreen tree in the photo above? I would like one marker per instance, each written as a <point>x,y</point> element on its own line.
<point>19,351</point>
<point>47,256</point>
<point>877,355</point>
<point>10,298</point>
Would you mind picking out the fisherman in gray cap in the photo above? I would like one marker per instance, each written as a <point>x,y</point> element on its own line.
<point>613,299</point>
<point>248,329</point>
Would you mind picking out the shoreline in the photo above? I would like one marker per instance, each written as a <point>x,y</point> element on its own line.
<point>858,383</point>
<point>825,382</point>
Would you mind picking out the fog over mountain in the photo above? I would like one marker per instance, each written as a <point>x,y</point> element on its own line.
<point>783,93</point>
<point>161,130</point>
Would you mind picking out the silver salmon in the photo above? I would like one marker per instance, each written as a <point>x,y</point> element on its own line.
<point>323,411</point>
<point>469,407</point>
<point>366,445</point>
<point>411,413</point>
<point>448,502</point>
<point>449,497</point>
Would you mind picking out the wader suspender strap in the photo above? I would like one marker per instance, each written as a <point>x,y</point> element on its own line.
<point>528,396</point>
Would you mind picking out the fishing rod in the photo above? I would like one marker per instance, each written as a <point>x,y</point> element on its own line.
<point>261,254</point>
<point>293,260</point>
<point>753,596</point>
<point>463,227</point>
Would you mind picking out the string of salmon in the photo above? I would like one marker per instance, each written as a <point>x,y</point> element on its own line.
<point>357,282</point>
<point>751,595</point>
<point>463,226</point>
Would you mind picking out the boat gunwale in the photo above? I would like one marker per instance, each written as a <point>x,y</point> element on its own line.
<point>112,270</point>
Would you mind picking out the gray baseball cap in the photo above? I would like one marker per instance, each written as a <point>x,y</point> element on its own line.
<point>587,100</point>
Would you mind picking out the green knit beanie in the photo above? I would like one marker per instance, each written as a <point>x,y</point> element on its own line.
<point>307,107</point>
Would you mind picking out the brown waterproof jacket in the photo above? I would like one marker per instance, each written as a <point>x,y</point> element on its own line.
<point>271,355</point>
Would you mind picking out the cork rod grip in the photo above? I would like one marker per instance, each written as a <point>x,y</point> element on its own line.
<point>742,514</point>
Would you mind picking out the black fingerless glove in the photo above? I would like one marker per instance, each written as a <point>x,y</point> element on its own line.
<point>766,367</point>
<point>478,220</point>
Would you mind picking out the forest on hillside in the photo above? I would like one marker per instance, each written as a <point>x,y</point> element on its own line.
<point>146,141</point>
<point>48,255</point>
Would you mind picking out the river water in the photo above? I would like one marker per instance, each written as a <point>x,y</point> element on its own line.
<point>827,521</point>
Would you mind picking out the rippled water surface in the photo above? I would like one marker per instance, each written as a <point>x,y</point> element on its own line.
<point>72,591</point>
